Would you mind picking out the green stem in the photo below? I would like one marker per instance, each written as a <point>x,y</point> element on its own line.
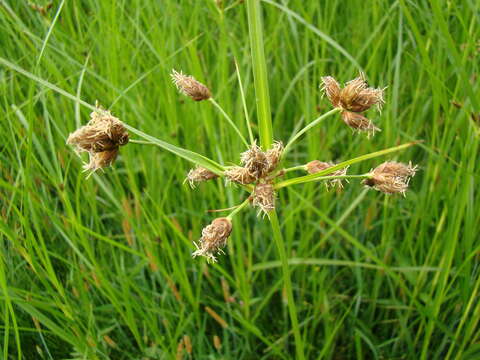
<point>326,178</point>
<point>244,103</point>
<point>308,127</point>
<point>277,235</point>
<point>260,73</point>
<point>238,208</point>
<point>142,142</point>
<point>314,177</point>
<point>230,121</point>
<point>293,168</point>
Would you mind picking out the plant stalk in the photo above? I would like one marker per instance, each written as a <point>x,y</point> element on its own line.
<point>292,309</point>
<point>260,78</point>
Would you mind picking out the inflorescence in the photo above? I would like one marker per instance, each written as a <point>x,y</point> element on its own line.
<point>103,135</point>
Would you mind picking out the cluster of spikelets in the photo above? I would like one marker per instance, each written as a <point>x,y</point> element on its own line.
<point>104,134</point>
<point>100,138</point>
<point>354,99</point>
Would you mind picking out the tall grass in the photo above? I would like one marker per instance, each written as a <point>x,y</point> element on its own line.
<point>101,268</point>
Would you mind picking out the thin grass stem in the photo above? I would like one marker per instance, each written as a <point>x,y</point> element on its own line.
<point>238,208</point>
<point>229,120</point>
<point>244,103</point>
<point>308,127</point>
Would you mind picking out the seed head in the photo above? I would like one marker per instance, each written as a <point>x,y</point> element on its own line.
<point>101,138</point>
<point>359,122</point>
<point>316,166</point>
<point>214,238</point>
<point>356,96</point>
<point>255,160</point>
<point>263,197</point>
<point>199,174</point>
<point>391,177</point>
<point>190,87</point>
<point>274,155</point>
<point>239,175</point>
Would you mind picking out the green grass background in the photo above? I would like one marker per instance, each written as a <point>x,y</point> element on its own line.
<point>101,268</point>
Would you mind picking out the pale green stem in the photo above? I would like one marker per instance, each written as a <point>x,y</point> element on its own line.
<point>238,209</point>
<point>308,127</point>
<point>314,177</point>
<point>140,142</point>
<point>245,109</point>
<point>230,121</point>
<point>277,235</point>
<point>299,167</point>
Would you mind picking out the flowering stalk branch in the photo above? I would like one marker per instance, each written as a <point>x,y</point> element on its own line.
<point>308,127</point>
<point>230,121</point>
<point>313,177</point>
<point>239,208</point>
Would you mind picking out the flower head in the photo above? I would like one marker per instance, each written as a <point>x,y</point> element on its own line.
<point>190,87</point>
<point>239,175</point>
<point>200,174</point>
<point>355,96</point>
<point>316,166</point>
<point>101,138</point>
<point>214,238</point>
<point>391,177</point>
<point>263,197</point>
<point>256,161</point>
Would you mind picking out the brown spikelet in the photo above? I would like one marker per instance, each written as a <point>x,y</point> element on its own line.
<point>255,160</point>
<point>103,132</point>
<point>391,177</point>
<point>316,166</point>
<point>217,343</point>
<point>214,238</point>
<point>188,344</point>
<point>100,160</point>
<point>356,96</point>
<point>359,122</point>
<point>263,197</point>
<point>101,138</point>
<point>190,87</point>
<point>331,88</point>
<point>239,175</point>
<point>274,155</point>
<point>200,174</point>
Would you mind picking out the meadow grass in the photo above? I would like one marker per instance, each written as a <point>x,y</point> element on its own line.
<point>102,268</point>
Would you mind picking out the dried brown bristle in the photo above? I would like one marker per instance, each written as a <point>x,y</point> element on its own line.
<point>214,238</point>
<point>190,87</point>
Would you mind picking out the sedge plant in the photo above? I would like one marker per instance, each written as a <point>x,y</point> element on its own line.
<point>262,170</point>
